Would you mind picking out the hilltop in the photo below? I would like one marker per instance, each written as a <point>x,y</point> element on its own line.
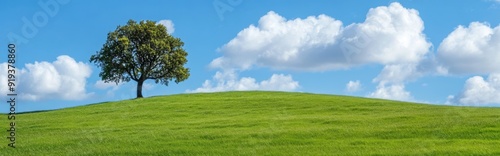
<point>258,123</point>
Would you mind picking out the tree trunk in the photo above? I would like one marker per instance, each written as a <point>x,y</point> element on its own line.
<point>139,88</point>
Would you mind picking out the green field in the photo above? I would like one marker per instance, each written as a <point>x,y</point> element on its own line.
<point>257,123</point>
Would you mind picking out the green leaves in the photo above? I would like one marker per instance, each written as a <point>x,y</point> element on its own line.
<point>141,51</point>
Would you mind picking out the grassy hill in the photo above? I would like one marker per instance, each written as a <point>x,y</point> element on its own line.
<point>258,123</point>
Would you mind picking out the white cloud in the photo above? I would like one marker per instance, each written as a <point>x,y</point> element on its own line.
<point>279,82</point>
<point>229,80</point>
<point>389,35</point>
<point>112,87</point>
<point>393,92</point>
<point>398,73</point>
<point>471,50</point>
<point>169,24</point>
<point>391,81</point>
<point>353,86</point>
<point>4,89</point>
<point>105,85</point>
<point>478,91</point>
<point>279,43</point>
<point>62,79</point>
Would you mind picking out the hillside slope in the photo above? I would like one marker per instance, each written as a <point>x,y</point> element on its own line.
<point>257,123</point>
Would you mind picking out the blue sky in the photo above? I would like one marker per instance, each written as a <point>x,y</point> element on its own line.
<point>435,52</point>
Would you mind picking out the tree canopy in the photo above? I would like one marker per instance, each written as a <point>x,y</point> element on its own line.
<point>140,51</point>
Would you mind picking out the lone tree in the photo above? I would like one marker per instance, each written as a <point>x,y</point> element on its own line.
<point>142,51</point>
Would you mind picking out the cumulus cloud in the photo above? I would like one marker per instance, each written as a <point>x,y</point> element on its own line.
<point>279,43</point>
<point>398,73</point>
<point>394,92</point>
<point>389,35</point>
<point>479,91</point>
<point>62,79</point>
<point>169,24</point>
<point>4,89</point>
<point>229,80</point>
<point>353,86</point>
<point>471,50</point>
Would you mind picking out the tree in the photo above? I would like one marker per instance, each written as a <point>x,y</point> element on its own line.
<point>141,51</point>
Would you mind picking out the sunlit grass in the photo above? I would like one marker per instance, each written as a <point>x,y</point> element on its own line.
<point>258,123</point>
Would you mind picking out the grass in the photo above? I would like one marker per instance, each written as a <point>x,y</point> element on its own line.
<point>258,123</point>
